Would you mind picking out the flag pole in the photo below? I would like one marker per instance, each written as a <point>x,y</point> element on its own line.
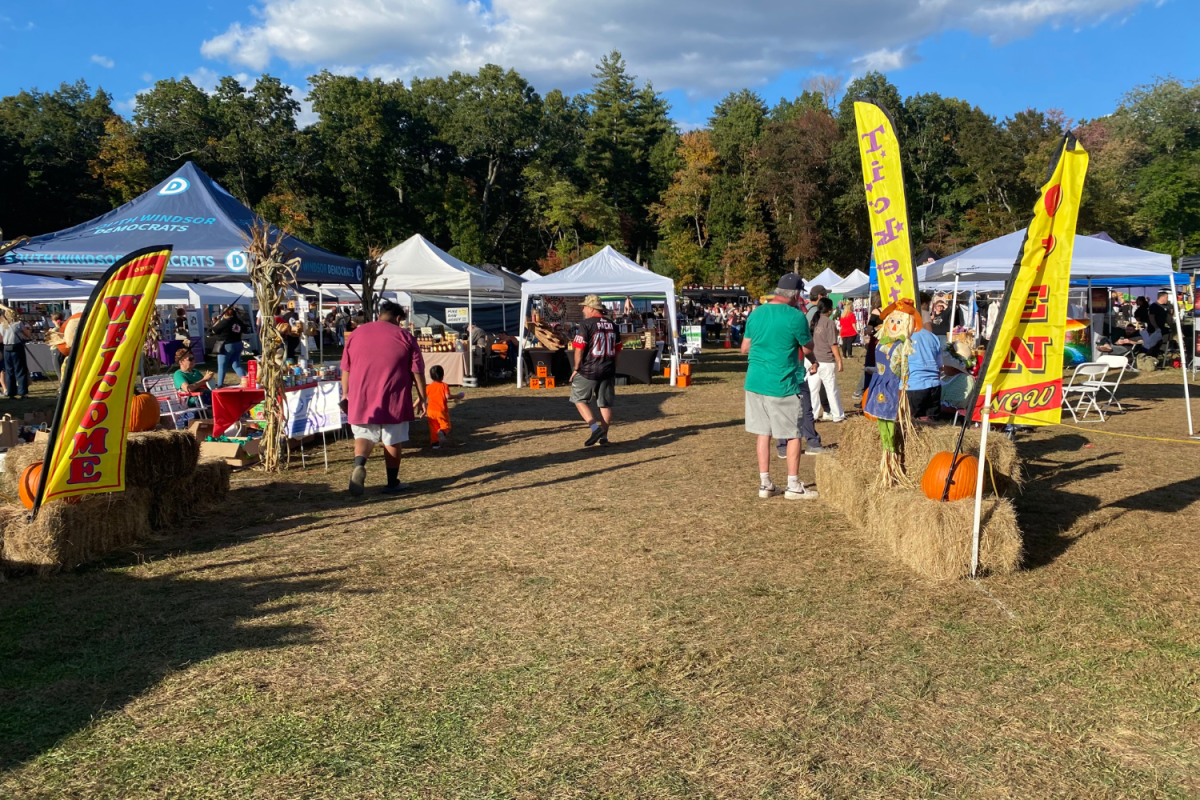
<point>983,432</point>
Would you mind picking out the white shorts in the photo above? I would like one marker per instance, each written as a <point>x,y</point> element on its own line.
<point>392,435</point>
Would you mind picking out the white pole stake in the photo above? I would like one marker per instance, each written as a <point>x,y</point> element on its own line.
<point>983,432</point>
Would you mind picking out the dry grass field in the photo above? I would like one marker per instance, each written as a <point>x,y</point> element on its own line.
<point>540,620</point>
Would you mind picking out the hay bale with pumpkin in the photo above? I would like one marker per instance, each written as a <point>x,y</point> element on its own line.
<point>891,471</point>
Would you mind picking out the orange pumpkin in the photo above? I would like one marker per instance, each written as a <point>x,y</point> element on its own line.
<point>934,481</point>
<point>144,414</point>
<point>27,486</point>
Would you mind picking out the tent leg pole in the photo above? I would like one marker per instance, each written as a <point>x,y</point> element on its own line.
<point>470,324</point>
<point>1091,323</point>
<point>321,328</point>
<point>1187,393</point>
<point>953,311</point>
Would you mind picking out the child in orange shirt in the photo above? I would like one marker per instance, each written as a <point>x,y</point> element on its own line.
<point>438,408</point>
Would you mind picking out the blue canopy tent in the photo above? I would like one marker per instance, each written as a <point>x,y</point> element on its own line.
<point>206,225</point>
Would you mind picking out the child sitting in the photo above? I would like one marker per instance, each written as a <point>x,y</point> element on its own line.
<point>438,412</point>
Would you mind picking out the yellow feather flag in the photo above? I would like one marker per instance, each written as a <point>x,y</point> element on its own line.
<point>86,451</point>
<point>880,152</point>
<point>1024,360</point>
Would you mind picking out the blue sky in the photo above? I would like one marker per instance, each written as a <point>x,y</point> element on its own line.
<point>1003,55</point>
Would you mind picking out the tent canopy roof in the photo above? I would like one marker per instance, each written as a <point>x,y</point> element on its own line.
<point>418,265</point>
<point>607,272</point>
<point>205,224</point>
<point>19,287</point>
<point>1093,258</point>
<point>827,278</point>
<point>856,284</point>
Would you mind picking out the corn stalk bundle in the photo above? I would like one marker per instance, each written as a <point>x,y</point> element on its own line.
<point>271,271</point>
<point>372,266</point>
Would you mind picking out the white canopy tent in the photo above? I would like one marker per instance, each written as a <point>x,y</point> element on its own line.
<point>606,273</point>
<point>856,284</point>
<point>18,287</point>
<point>530,275</point>
<point>1094,259</point>
<point>416,265</point>
<point>827,278</point>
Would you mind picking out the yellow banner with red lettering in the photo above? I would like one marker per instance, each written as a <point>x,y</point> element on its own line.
<point>1025,362</point>
<point>879,150</point>
<point>86,453</point>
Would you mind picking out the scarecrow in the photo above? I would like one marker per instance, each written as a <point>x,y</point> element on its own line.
<point>887,399</point>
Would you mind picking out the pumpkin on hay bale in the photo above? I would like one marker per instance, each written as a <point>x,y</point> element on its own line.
<point>65,535</point>
<point>16,461</point>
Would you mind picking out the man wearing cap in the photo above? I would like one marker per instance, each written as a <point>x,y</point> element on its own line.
<point>777,337</point>
<point>596,346</point>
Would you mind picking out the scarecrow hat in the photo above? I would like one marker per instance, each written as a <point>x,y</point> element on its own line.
<point>905,306</point>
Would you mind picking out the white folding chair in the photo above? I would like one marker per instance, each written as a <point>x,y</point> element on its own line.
<point>1117,364</point>
<point>169,402</point>
<point>1085,382</point>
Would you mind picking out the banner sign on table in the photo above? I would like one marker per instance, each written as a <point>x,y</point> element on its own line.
<point>887,209</point>
<point>314,409</point>
<point>1024,363</point>
<point>694,336</point>
<point>86,450</point>
<point>456,316</point>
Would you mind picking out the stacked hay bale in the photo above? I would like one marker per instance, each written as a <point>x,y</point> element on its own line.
<point>931,537</point>
<point>165,482</point>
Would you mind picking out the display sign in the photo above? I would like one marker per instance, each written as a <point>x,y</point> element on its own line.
<point>1024,364</point>
<point>694,336</point>
<point>313,409</point>
<point>456,316</point>
<point>879,150</point>
<point>85,453</point>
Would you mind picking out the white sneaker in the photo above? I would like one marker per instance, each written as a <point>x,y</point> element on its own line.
<point>767,492</point>
<point>802,494</point>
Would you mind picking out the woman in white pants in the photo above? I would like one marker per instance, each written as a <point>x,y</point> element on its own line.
<point>828,355</point>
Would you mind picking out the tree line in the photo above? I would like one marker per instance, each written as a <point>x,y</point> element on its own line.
<point>488,168</point>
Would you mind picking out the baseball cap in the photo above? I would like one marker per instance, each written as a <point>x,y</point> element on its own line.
<point>817,291</point>
<point>592,301</point>
<point>790,281</point>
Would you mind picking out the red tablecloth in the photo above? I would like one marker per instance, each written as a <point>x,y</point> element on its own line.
<point>229,405</point>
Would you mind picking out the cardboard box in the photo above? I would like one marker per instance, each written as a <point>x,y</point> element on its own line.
<point>236,452</point>
<point>201,428</point>
<point>38,418</point>
<point>683,381</point>
<point>8,431</point>
<point>549,383</point>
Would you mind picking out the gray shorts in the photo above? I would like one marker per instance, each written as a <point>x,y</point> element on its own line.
<point>584,389</point>
<point>773,416</point>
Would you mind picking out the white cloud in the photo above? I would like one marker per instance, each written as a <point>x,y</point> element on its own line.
<point>698,46</point>
<point>103,61</point>
<point>147,77</point>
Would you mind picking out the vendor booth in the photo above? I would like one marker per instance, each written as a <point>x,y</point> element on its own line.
<point>827,278</point>
<point>1094,260</point>
<point>613,277</point>
<point>419,267</point>
<point>856,284</point>
<point>206,225</point>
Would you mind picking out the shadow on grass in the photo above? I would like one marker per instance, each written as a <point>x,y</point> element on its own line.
<point>1046,509</point>
<point>82,645</point>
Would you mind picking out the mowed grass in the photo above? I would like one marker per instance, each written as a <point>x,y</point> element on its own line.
<point>538,620</point>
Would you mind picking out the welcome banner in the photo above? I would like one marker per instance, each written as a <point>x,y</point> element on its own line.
<point>1025,360</point>
<point>86,451</point>
<point>880,152</point>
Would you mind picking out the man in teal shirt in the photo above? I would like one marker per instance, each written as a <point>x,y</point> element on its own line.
<point>777,338</point>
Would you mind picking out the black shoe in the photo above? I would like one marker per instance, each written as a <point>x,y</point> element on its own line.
<point>604,442</point>
<point>596,436</point>
<point>399,487</point>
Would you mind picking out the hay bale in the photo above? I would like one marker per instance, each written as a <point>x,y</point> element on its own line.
<point>155,458</point>
<point>64,535</point>
<point>843,488</point>
<point>15,461</point>
<point>934,538</point>
<point>858,447</point>
<point>175,500</point>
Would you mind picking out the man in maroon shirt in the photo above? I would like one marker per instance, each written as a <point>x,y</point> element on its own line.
<point>380,364</point>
